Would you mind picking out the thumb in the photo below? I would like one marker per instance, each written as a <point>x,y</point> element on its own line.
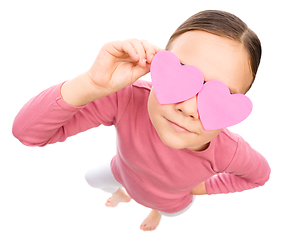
<point>140,71</point>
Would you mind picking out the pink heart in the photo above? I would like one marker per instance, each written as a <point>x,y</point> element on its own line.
<point>219,109</point>
<point>172,81</point>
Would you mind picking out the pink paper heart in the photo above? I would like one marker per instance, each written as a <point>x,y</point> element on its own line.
<point>219,109</point>
<point>173,82</point>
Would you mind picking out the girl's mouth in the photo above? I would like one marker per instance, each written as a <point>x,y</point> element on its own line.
<point>178,128</point>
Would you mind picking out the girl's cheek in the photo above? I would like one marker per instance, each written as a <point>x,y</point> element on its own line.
<point>212,134</point>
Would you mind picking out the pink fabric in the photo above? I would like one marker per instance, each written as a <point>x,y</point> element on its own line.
<point>153,174</point>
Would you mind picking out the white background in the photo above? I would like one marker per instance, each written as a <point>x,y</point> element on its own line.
<point>43,194</point>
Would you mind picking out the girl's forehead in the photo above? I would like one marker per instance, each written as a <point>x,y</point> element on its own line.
<point>219,58</point>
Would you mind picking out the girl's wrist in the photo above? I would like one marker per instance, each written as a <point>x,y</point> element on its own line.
<point>81,90</point>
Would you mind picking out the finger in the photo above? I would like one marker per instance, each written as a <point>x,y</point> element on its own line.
<point>159,49</point>
<point>150,50</point>
<point>139,48</point>
<point>118,49</point>
<point>140,71</point>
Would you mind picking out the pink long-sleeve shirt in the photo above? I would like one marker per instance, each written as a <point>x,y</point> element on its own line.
<point>153,174</point>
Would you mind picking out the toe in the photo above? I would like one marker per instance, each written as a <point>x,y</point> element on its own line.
<point>144,227</point>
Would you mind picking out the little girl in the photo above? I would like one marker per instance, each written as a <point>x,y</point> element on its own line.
<point>164,155</point>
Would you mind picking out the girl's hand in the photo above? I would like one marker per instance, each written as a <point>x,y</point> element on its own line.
<point>117,65</point>
<point>121,63</point>
<point>200,189</point>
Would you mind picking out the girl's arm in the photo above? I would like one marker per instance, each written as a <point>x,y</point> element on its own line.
<point>47,118</point>
<point>86,101</point>
<point>248,169</point>
<point>117,65</point>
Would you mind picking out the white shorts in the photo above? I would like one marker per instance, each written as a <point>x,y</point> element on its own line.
<point>180,212</point>
<point>102,177</point>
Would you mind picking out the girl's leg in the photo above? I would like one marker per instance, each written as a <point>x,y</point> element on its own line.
<point>152,221</point>
<point>102,178</point>
<point>119,196</point>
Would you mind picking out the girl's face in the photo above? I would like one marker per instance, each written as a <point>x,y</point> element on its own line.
<point>219,58</point>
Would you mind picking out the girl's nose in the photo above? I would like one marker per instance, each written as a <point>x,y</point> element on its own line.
<point>188,108</point>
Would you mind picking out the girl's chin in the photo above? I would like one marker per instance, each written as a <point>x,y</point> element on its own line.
<point>173,143</point>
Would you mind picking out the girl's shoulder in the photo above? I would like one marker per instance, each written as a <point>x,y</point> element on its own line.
<point>229,136</point>
<point>224,147</point>
<point>143,84</point>
<point>230,139</point>
<point>138,90</point>
<point>132,100</point>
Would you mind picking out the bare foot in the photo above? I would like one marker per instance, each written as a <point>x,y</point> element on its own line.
<point>119,196</point>
<point>152,221</point>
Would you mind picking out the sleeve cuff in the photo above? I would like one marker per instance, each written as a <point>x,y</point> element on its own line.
<point>208,188</point>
